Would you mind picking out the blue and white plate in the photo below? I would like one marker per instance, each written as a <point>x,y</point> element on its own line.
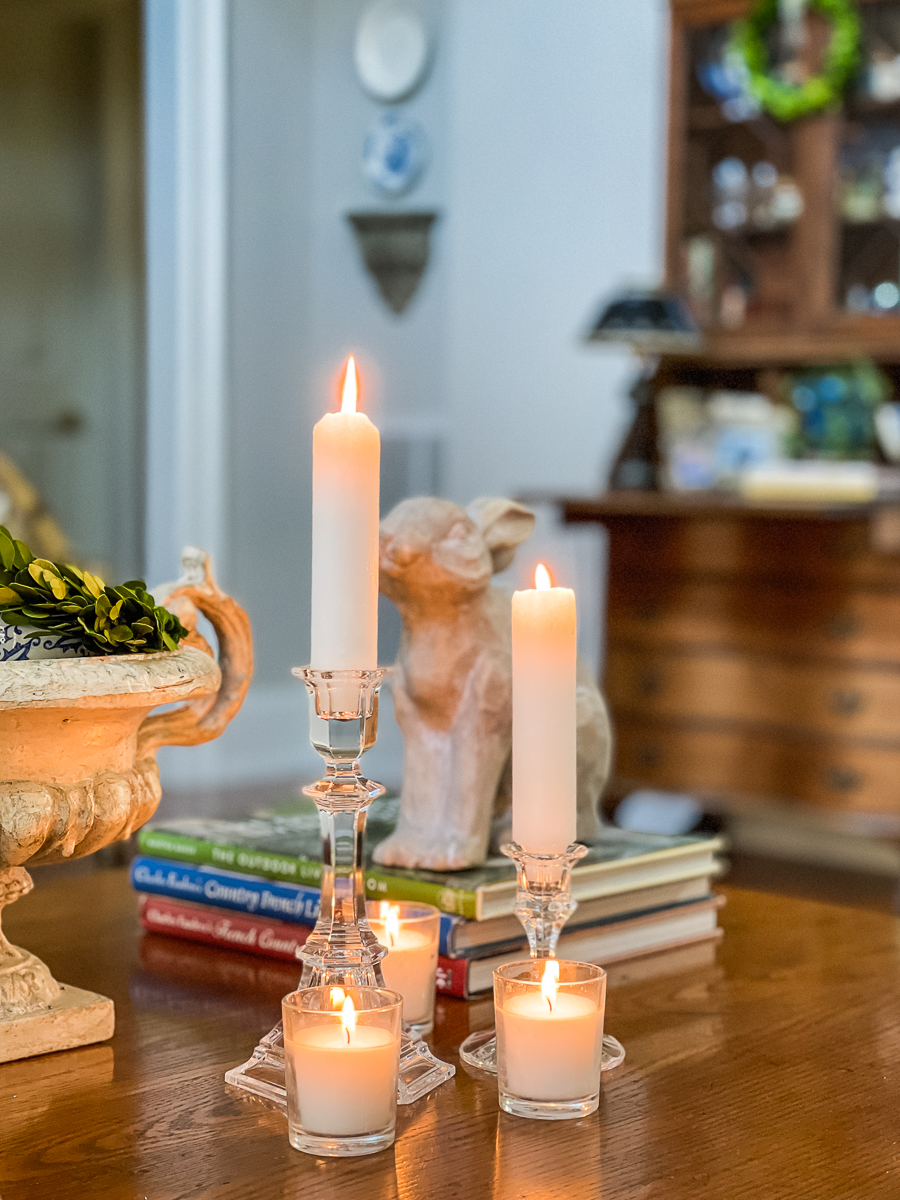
<point>24,643</point>
<point>395,154</point>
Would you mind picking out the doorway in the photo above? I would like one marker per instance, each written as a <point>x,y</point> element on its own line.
<point>71,268</point>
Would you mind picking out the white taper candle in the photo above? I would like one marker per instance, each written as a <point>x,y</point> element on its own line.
<point>346,464</point>
<point>543,661</point>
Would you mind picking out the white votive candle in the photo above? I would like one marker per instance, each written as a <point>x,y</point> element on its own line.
<point>341,1068</point>
<point>543,716</point>
<point>549,1055</point>
<point>344,1087</point>
<point>410,933</point>
<point>346,463</point>
<point>549,1036</point>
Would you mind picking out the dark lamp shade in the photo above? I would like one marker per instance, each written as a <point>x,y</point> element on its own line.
<point>650,321</point>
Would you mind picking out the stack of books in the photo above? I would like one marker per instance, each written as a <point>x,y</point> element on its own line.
<point>253,885</point>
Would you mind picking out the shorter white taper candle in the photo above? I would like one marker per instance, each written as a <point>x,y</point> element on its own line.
<point>543,687</point>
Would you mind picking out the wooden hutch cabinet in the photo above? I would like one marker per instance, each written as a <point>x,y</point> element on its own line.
<point>753,652</point>
<point>793,281</point>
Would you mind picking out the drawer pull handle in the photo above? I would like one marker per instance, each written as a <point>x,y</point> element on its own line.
<point>648,755</point>
<point>844,779</point>
<point>649,683</point>
<point>843,625</point>
<point>648,611</point>
<point>846,702</point>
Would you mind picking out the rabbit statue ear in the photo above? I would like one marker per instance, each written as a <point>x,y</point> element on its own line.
<point>503,524</point>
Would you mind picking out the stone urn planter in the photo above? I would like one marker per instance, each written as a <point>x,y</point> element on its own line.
<point>78,771</point>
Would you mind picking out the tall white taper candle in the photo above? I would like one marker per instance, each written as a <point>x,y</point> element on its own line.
<point>346,461</point>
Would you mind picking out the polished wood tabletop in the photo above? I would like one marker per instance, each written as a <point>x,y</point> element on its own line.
<point>774,1073</point>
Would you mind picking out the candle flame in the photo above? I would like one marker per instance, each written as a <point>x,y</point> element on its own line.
<point>337,997</point>
<point>348,1017</point>
<point>550,981</point>
<point>349,394</point>
<point>392,923</point>
<point>542,579</point>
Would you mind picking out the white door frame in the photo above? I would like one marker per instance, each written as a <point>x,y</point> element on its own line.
<point>186,61</point>
<point>186,48</point>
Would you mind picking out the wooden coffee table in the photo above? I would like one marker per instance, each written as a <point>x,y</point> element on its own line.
<point>774,1074</point>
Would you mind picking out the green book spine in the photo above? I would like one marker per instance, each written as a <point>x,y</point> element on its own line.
<point>379,885</point>
<point>159,843</point>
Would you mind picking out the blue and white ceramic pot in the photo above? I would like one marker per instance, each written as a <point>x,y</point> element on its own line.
<point>24,643</point>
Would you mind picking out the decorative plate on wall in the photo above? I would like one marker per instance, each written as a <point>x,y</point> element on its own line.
<point>394,154</point>
<point>392,50</point>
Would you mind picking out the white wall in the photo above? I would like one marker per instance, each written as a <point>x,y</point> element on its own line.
<point>545,120</point>
<point>555,196</point>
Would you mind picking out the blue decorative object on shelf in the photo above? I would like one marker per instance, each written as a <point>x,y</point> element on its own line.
<point>836,409</point>
<point>395,154</point>
<point>21,643</point>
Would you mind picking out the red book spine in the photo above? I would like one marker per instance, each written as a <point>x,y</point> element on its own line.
<point>453,977</point>
<point>216,927</point>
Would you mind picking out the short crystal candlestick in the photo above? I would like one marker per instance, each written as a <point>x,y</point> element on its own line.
<point>543,904</point>
<point>342,949</point>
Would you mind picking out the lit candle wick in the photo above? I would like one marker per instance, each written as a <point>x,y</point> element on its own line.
<point>392,924</point>
<point>550,981</point>
<point>348,1017</point>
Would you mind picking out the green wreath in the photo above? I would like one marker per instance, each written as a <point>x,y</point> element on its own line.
<point>784,101</point>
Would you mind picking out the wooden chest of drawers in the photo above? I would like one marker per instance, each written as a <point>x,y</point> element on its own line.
<point>753,655</point>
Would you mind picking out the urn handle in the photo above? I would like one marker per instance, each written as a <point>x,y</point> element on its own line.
<point>203,719</point>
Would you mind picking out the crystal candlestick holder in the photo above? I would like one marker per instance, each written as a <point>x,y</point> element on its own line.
<point>543,904</point>
<point>342,949</point>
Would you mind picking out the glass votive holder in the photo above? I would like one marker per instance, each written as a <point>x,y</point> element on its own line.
<point>342,1056</point>
<point>411,934</point>
<point>549,1018</point>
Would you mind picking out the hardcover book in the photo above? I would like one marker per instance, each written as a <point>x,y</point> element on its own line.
<point>215,927</point>
<point>603,944</point>
<point>169,914</point>
<point>614,944</point>
<point>284,844</point>
<point>221,893</point>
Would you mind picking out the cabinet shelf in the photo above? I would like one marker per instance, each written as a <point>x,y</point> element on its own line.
<point>794,278</point>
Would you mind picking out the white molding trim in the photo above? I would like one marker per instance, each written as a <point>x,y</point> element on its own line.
<point>186,72</point>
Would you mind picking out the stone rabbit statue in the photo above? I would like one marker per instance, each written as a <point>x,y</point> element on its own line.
<point>453,683</point>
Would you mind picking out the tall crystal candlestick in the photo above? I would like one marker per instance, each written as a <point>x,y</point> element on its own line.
<point>342,949</point>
